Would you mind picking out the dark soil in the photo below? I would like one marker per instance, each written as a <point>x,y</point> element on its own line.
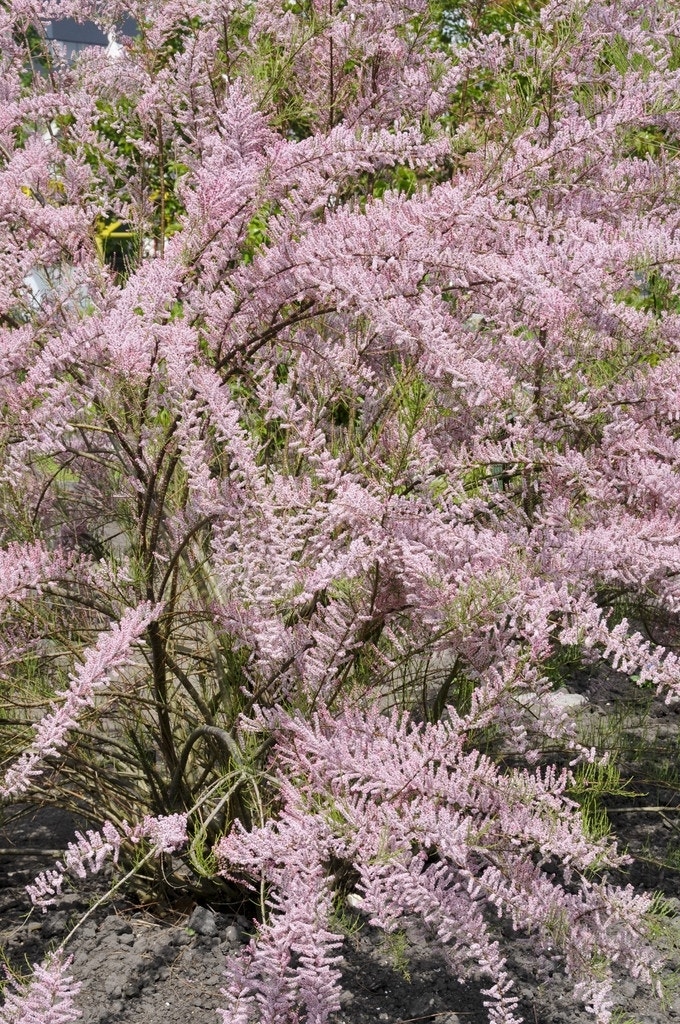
<point>166,967</point>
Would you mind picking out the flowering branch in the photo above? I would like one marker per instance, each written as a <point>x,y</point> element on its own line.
<point>112,651</point>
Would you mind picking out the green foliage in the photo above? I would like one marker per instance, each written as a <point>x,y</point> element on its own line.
<point>592,783</point>
<point>564,661</point>
<point>479,599</point>
<point>655,294</point>
<point>343,919</point>
<point>271,68</point>
<point>648,142</point>
<point>394,947</point>
<point>464,20</point>
<point>256,234</point>
<point>399,179</point>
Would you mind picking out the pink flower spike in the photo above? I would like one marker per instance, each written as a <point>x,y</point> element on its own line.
<point>112,651</point>
<point>48,998</point>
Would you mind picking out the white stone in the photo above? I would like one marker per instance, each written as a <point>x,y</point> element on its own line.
<point>566,700</point>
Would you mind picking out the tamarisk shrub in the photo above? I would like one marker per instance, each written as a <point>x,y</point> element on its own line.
<point>339,377</point>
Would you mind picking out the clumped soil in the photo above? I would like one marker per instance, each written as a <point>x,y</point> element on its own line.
<point>166,966</point>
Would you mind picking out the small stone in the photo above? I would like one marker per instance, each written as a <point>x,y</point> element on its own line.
<point>132,988</point>
<point>233,936</point>
<point>566,700</point>
<point>115,926</point>
<point>113,986</point>
<point>72,899</point>
<point>160,945</point>
<point>346,998</point>
<point>54,924</point>
<point>203,922</point>
<point>112,1012</point>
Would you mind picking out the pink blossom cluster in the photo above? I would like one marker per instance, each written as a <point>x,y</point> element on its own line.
<point>112,650</point>
<point>48,998</point>
<point>92,850</point>
<point>435,831</point>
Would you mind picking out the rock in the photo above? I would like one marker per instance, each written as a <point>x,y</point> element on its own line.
<point>54,924</point>
<point>567,701</point>
<point>131,988</point>
<point>203,922</point>
<point>135,962</point>
<point>141,944</point>
<point>562,700</point>
<point>421,1006</point>
<point>115,926</point>
<point>178,937</point>
<point>233,936</point>
<point>415,932</point>
<point>81,958</point>
<point>113,985</point>
<point>116,537</point>
<point>160,945</point>
<point>72,899</point>
<point>626,989</point>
